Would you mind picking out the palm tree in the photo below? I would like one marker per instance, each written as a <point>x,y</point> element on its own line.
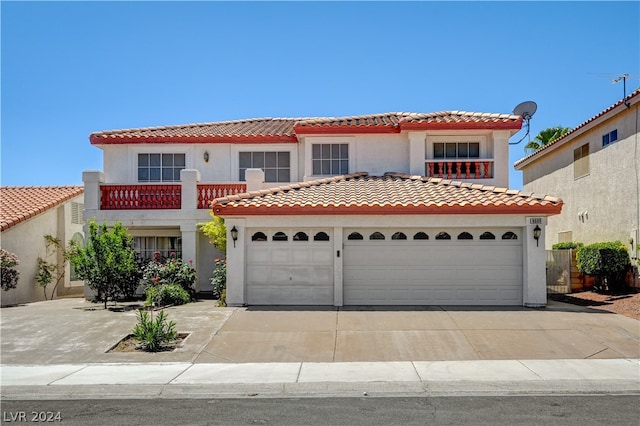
<point>546,136</point>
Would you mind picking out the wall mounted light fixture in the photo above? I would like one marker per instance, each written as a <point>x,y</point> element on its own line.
<point>234,235</point>
<point>536,234</point>
<point>206,156</point>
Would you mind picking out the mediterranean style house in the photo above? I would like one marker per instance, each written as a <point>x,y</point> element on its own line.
<point>595,169</point>
<point>381,209</point>
<point>27,215</point>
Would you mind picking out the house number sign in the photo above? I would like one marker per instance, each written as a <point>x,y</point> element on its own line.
<point>535,221</point>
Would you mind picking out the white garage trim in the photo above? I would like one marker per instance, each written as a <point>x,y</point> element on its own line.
<point>456,271</point>
<point>289,266</point>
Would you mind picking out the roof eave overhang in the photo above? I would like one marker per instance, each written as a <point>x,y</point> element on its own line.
<point>539,210</point>
<point>244,139</point>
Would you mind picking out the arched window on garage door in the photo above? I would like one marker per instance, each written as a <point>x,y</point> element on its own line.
<point>376,236</point>
<point>465,236</point>
<point>280,236</point>
<point>487,236</point>
<point>259,236</point>
<point>509,236</point>
<point>301,236</point>
<point>443,236</point>
<point>321,236</point>
<point>421,236</point>
<point>399,236</point>
<point>355,236</point>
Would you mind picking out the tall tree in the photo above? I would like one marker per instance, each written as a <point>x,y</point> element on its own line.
<point>546,136</point>
<point>107,263</point>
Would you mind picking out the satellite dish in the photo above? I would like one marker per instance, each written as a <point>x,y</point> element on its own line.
<point>526,109</point>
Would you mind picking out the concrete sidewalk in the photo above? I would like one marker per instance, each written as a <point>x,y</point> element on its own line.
<point>185,380</point>
<point>60,349</point>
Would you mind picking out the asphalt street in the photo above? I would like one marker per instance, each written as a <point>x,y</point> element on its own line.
<point>582,410</point>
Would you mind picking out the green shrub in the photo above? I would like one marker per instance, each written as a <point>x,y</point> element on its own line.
<point>570,245</point>
<point>170,271</point>
<point>8,271</point>
<point>154,335</point>
<point>219,281</point>
<point>167,294</point>
<point>607,262</point>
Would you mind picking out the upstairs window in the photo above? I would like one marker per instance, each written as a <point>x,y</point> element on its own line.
<point>456,150</point>
<point>610,137</point>
<point>160,167</point>
<point>276,165</point>
<point>581,161</point>
<point>330,159</point>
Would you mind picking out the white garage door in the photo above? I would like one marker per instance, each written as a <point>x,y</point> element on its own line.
<point>433,267</point>
<point>289,267</point>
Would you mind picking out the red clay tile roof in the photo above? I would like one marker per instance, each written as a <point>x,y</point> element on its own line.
<point>393,193</point>
<point>269,130</point>
<point>632,98</point>
<point>19,203</point>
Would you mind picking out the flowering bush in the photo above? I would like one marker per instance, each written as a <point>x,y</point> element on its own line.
<point>167,294</point>
<point>172,271</point>
<point>219,280</point>
<point>9,272</point>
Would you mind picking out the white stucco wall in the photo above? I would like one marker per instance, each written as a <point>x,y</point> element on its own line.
<point>26,240</point>
<point>604,204</point>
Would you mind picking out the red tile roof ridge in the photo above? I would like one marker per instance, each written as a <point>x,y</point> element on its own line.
<point>578,127</point>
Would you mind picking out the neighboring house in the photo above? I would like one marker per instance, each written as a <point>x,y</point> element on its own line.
<point>595,169</point>
<point>451,172</point>
<point>27,215</point>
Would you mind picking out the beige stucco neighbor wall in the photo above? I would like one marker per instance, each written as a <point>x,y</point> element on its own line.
<point>604,204</point>
<point>26,240</point>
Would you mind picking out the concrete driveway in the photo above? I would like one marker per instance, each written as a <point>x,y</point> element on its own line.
<point>71,331</point>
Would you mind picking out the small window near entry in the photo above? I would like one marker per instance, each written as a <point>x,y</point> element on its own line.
<point>399,236</point>
<point>321,236</point>
<point>610,137</point>
<point>355,236</point>
<point>280,236</point>
<point>443,236</point>
<point>487,236</point>
<point>376,236</point>
<point>581,161</point>
<point>421,236</point>
<point>259,236</point>
<point>465,236</point>
<point>301,236</point>
<point>509,236</point>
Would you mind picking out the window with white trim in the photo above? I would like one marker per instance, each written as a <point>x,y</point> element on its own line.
<point>610,137</point>
<point>330,159</point>
<point>160,167</point>
<point>456,150</point>
<point>276,165</point>
<point>168,247</point>
<point>581,161</point>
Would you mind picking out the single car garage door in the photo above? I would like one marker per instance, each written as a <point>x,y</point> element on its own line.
<point>289,267</point>
<point>432,267</point>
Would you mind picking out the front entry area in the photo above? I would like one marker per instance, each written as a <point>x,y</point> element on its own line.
<point>432,266</point>
<point>289,266</point>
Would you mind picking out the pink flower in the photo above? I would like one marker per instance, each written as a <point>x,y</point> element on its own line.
<point>190,261</point>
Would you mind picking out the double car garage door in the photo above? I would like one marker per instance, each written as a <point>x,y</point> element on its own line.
<point>386,267</point>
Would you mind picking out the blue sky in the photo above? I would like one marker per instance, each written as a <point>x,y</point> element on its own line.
<point>72,68</point>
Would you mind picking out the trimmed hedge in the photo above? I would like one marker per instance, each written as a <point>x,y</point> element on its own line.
<point>607,262</point>
<point>167,294</point>
<point>566,246</point>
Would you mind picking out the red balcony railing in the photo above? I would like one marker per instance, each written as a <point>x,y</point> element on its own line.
<point>139,197</point>
<point>459,169</point>
<point>209,192</point>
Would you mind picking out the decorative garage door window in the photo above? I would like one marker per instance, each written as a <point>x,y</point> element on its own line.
<point>280,236</point>
<point>297,236</point>
<point>420,235</point>
<point>300,236</point>
<point>321,236</point>
<point>259,236</point>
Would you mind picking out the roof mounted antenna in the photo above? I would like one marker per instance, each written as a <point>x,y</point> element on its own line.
<point>525,110</point>
<point>623,78</point>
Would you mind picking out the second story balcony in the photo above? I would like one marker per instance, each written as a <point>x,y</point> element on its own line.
<point>162,196</point>
<point>462,169</point>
